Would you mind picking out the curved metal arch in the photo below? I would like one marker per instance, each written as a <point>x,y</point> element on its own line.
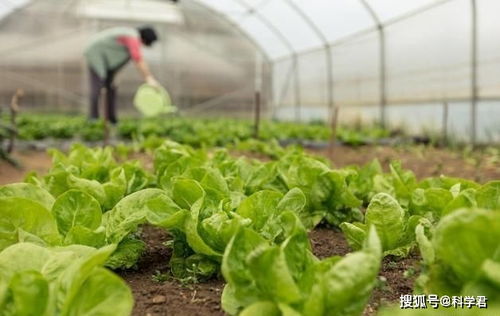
<point>245,34</point>
<point>326,44</point>
<point>288,44</point>
<point>254,11</point>
<point>268,24</point>
<point>308,21</point>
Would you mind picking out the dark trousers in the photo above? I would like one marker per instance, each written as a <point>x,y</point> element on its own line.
<point>96,84</point>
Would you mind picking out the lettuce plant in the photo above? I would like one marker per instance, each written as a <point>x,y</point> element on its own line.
<point>95,172</point>
<point>35,280</point>
<point>460,258</point>
<point>395,227</point>
<point>438,197</point>
<point>204,219</point>
<point>463,255</point>
<point>327,190</point>
<point>287,279</point>
<point>31,214</point>
<point>363,183</point>
<point>399,183</point>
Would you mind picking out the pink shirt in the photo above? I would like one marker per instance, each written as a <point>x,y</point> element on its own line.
<point>133,45</point>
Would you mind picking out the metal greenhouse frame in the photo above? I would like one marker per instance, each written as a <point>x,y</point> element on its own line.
<point>249,8</point>
<point>383,60</point>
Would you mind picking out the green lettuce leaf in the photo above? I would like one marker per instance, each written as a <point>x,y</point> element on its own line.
<point>60,281</point>
<point>22,219</point>
<point>467,255</point>
<point>395,229</point>
<point>127,253</point>
<point>488,196</point>
<point>76,208</point>
<point>287,279</point>
<point>28,191</point>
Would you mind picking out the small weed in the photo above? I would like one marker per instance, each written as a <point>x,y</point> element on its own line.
<point>382,284</point>
<point>410,273</point>
<point>392,265</point>
<point>160,277</point>
<point>192,276</point>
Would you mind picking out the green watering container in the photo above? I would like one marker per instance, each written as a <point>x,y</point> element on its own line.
<point>153,101</point>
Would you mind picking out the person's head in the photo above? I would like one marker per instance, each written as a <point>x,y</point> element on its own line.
<point>148,35</point>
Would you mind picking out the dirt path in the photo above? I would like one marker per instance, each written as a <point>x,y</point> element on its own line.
<point>38,161</point>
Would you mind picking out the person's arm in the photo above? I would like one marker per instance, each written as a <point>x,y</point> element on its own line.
<point>143,68</point>
<point>134,47</point>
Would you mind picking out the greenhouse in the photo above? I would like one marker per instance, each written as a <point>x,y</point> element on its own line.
<point>249,157</point>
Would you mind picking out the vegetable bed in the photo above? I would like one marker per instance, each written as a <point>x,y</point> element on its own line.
<point>191,131</point>
<point>171,297</point>
<point>292,236</point>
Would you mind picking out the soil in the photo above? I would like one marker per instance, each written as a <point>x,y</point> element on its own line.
<point>396,278</point>
<point>392,281</point>
<point>38,161</point>
<point>424,161</point>
<point>170,297</point>
<point>327,242</point>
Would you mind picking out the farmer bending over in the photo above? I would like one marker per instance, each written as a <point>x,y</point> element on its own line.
<point>107,53</point>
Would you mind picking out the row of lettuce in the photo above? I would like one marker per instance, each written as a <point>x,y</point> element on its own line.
<point>192,131</point>
<point>245,218</point>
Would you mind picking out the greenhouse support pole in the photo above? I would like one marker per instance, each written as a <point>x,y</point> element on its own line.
<point>60,83</point>
<point>258,91</point>
<point>333,136</point>
<point>14,111</point>
<point>445,123</point>
<point>329,80</point>
<point>271,94</point>
<point>474,88</point>
<point>383,77</point>
<point>298,97</point>
<point>286,84</point>
<point>257,115</point>
<point>383,61</point>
